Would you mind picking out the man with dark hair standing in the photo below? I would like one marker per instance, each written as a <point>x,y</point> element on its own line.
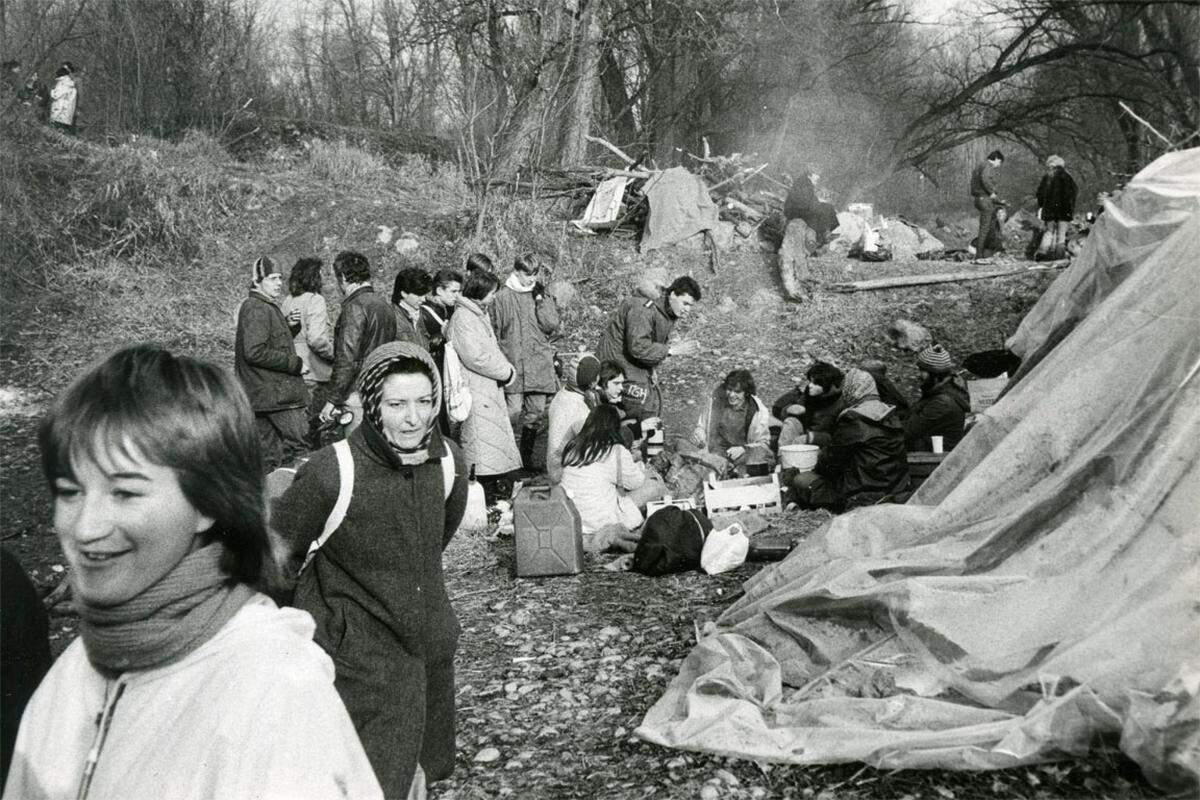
<point>636,338</point>
<point>525,317</point>
<point>269,369</point>
<point>366,321</point>
<point>987,203</point>
<point>409,291</point>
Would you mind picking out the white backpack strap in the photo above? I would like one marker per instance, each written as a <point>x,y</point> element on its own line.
<point>345,462</point>
<point>441,322</point>
<point>447,473</point>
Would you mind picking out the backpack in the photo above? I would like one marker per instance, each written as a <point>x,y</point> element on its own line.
<point>455,392</point>
<point>345,462</point>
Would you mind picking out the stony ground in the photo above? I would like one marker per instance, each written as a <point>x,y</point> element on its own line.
<point>555,674</point>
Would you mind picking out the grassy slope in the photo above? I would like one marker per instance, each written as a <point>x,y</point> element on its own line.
<point>556,687</point>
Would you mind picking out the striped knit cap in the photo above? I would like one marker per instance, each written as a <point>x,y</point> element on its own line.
<point>263,267</point>
<point>935,359</point>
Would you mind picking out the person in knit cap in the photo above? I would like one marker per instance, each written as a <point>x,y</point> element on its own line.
<point>266,363</point>
<point>862,459</point>
<point>569,408</point>
<point>943,405</point>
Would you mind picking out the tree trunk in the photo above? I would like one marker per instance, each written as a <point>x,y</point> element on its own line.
<point>623,131</point>
<point>586,64</point>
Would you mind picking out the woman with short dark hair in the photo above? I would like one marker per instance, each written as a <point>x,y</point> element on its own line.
<point>487,436</point>
<point>185,678</point>
<point>736,423</point>
<point>409,291</point>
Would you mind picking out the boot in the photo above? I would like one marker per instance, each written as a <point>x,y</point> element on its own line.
<point>528,439</point>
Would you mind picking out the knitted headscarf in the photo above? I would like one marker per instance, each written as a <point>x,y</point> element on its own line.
<point>1055,161</point>
<point>856,387</point>
<point>382,362</point>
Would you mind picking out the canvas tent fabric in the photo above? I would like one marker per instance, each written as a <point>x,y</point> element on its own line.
<point>679,208</point>
<point>1040,589</point>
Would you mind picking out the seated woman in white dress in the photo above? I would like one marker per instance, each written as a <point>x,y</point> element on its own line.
<point>598,473</point>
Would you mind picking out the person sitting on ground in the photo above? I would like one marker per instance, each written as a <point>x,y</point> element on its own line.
<point>186,677</point>
<point>411,287</point>
<point>888,391</point>
<point>943,406</point>
<point>610,390</point>
<point>569,409</point>
<point>313,343</point>
<point>598,474</point>
<point>736,423</point>
<point>524,317</point>
<point>810,406</point>
<point>635,337</point>
<point>862,459</point>
<point>802,203</point>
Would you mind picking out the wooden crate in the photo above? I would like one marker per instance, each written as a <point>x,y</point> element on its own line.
<point>921,466</point>
<point>759,494</point>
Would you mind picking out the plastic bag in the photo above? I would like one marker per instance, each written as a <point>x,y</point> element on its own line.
<point>725,549</point>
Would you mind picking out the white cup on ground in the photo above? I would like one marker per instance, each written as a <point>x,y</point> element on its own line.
<point>939,443</point>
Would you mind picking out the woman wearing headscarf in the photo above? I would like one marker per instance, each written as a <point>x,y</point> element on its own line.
<point>1056,207</point>
<point>862,458</point>
<point>736,423</point>
<point>375,587</point>
<point>186,678</point>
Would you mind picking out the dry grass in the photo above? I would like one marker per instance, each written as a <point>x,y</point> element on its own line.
<point>342,163</point>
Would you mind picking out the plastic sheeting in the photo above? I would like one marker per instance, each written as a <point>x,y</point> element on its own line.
<point>1149,209</point>
<point>1040,589</point>
<point>679,208</point>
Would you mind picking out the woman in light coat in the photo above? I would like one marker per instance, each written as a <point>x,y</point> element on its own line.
<point>313,343</point>
<point>598,474</point>
<point>487,435</point>
<point>63,98</point>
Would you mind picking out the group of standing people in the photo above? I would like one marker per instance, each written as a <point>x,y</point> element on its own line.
<point>55,105</point>
<point>1056,193</point>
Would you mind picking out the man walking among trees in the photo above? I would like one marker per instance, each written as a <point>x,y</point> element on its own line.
<point>269,369</point>
<point>366,321</point>
<point>636,338</point>
<point>987,203</point>
<point>524,318</point>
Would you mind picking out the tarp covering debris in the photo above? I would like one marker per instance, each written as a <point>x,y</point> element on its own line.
<point>1039,590</point>
<point>680,207</point>
<point>1150,208</point>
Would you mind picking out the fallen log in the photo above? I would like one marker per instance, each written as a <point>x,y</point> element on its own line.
<point>937,277</point>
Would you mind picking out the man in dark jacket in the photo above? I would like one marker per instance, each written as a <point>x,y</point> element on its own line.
<point>266,363</point>
<point>802,203</point>
<point>524,317</point>
<point>987,203</point>
<point>636,338</point>
<point>943,406</point>
<point>1056,207</point>
<point>365,322</point>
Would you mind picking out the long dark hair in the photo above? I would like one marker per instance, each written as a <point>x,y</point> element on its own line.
<point>305,277</point>
<point>599,434</point>
<point>182,413</point>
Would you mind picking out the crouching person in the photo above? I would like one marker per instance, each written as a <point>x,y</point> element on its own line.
<point>376,587</point>
<point>186,678</point>
<point>736,423</point>
<point>601,475</point>
<point>862,459</point>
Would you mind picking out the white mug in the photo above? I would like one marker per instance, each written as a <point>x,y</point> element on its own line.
<point>939,444</point>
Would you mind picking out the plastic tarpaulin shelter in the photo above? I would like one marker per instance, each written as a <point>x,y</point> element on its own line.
<point>679,208</point>
<point>1040,589</point>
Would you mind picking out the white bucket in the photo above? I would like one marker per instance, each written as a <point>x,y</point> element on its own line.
<point>798,456</point>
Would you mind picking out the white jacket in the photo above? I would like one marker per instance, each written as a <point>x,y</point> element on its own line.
<point>568,412</point>
<point>252,713</point>
<point>598,490</point>
<point>62,100</point>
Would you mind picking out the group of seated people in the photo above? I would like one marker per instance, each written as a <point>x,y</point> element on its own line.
<point>864,426</point>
